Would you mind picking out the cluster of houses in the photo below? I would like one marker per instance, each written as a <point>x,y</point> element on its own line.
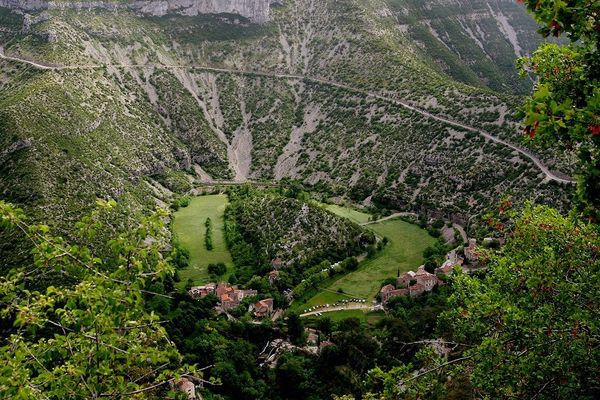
<point>230,297</point>
<point>414,284</point>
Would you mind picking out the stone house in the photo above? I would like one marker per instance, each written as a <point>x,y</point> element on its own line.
<point>277,263</point>
<point>426,279</point>
<point>186,386</point>
<point>229,296</point>
<point>416,290</point>
<point>447,268</point>
<point>405,279</point>
<point>389,291</point>
<point>471,251</point>
<point>263,308</point>
<point>411,284</point>
<point>203,291</point>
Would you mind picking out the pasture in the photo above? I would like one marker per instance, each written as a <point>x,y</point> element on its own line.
<point>190,231</point>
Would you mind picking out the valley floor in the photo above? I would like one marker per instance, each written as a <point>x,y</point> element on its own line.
<point>190,231</point>
<point>403,253</point>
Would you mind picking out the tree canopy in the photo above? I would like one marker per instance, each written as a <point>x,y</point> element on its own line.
<point>565,105</point>
<point>94,338</point>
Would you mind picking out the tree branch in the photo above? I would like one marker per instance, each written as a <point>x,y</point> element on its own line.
<point>436,368</point>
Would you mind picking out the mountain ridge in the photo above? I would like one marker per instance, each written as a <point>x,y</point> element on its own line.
<point>254,10</point>
<point>143,132</point>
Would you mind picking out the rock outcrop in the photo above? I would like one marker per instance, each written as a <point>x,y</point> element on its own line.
<point>255,10</point>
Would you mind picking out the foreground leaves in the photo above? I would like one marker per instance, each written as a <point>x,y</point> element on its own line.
<point>534,318</point>
<point>92,339</point>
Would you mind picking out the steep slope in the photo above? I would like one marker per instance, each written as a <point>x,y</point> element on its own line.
<point>475,42</point>
<point>320,94</point>
<point>255,10</point>
<point>263,226</point>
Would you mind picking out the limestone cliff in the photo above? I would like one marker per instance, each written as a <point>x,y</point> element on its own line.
<point>255,10</point>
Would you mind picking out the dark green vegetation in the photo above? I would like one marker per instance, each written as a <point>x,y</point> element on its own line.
<point>262,227</point>
<point>565,105</point>
<point>208,235</point>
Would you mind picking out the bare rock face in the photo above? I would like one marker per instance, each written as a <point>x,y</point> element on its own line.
<point>255,10</point>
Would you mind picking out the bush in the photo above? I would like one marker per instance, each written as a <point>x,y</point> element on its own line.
<point>438,224</point>
<point>180,256</point>
<point>208,241</point>
<point>218,269</point>
<point>350,263</point>
<point>180,202</point>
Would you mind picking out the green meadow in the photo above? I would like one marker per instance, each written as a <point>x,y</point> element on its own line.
<point>403,252</point>
<point>351,214</point>
<point>188,226</point>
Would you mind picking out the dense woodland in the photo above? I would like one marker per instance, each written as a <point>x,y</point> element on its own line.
<point>112,322</point>
<point>262,226</point>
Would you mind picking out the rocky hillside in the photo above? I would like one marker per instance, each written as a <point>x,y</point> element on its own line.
<point>254,10</point>
<point>475,41</point>
<point>264,226</point>
<point>349,96</point>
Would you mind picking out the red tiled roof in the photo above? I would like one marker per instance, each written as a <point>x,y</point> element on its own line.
<point>425,278</point>
<point>387,288</point>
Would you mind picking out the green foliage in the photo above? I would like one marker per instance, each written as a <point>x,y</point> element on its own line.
<point>565,105</point>
<point>261,226</point>
<point>295,329</point>
<point>93,338</point>
<point>533,320</point>
<point>180,202</point>
<point>208,237</point>
<point>436,253</point>
<point>218,269</point>
<point>180,256</point>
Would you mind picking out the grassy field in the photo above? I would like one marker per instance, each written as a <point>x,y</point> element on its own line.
<point>188,226</point>
<point>370,317</point>
<point>404,252</point>
<point>351,214</point>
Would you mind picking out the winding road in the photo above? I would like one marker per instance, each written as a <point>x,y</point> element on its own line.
<point>366,307</point>
<point>549,174</point>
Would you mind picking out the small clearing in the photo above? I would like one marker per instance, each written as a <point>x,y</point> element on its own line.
<point>404,252</point>
<point>189,229</point>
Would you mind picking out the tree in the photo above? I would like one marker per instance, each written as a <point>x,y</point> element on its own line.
<point>208,238</point>
<point>533,320</point>
<point>295,329</point>
<point>92,339</point>
<point>218,269</point>
<point>565,105</point>
<point>293,375</point>
<point>325,325</point>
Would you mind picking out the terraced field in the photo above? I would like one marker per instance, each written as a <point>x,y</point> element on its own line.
<point>188,226</point>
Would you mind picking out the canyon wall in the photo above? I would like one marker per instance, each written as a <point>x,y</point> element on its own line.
<point>255,10</point>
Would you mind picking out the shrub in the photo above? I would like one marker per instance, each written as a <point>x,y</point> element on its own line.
<point>218,269</point>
